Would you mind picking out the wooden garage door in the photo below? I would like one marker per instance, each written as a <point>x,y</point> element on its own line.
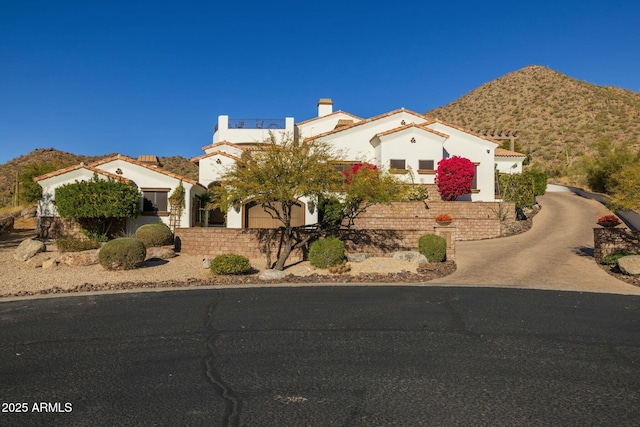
<point>256,217</point>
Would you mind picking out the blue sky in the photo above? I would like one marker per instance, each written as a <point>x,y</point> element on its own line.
<point>151,77</point>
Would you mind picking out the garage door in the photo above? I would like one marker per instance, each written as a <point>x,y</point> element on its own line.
<point>257,217</point>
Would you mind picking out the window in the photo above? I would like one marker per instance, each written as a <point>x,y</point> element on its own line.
<point>397,164</point>
<point>474,182</point>
<point>155,200</point>
<point>426,166</point>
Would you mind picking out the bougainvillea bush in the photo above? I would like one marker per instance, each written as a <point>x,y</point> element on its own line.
<point>454,177</point>
<point>350,173</point>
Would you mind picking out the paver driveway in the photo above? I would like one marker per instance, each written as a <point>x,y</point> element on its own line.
<point>557,253</point>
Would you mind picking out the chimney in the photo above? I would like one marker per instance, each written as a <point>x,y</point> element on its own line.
<point>325,107</point>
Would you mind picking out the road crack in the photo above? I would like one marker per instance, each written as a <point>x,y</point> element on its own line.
<point>232,401</point>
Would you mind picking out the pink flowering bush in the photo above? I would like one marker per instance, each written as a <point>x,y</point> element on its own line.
<point>454,177</point>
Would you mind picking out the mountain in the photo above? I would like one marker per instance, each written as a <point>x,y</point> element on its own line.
<point>557,118</point>
<point>60,159</point>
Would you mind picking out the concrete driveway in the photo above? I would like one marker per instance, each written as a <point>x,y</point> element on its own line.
<point>557,253</point>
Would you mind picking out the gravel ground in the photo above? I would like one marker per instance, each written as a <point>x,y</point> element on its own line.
<point>23,278</point>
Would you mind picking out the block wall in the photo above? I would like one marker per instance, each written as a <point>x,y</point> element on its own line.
<point>607,240</point>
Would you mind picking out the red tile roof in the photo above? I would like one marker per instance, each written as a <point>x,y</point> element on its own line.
<point>94,167</point>
<point>144,165</point>
<point>372,119</point>
<point>221,153</point>
<point>465,130</point>
<point>422,126</point>
<point>80,166</point>
<point>218,144</point>
<point>501,152</point>
<point>329,115</point>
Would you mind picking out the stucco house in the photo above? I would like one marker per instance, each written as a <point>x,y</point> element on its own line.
<point>402,141</point>
<point>155,185</point>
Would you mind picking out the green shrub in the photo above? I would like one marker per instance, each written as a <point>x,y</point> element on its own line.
<point>326,252</point>
<point>73,244</point>
<point>613,257</point>
<point>230,264</point>
<point>155,234</point>
<point>518,188</point>
<point>539,182</point>
<point>433,247</point>
<point>124,253</point>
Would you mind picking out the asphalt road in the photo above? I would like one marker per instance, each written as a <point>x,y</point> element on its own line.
<point>325,356</point>
<point>556,254</point>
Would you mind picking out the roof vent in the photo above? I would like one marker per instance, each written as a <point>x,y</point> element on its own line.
<point>150,160</point>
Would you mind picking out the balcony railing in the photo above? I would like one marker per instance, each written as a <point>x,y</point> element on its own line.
<point>257,124</point>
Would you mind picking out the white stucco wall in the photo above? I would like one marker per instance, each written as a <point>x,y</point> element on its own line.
<point>479,151</point>
<point>46,206</point>
<point>141,177</point>
<point>354,143</point>
<point>213,168</point>
<point>506,164</point>
<point>323,124</point>
<point>398,145</point>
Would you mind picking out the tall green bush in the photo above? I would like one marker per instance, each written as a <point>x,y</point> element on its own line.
<point>539,182</point>
<point>326,252</point>
<point>517,188</point>
<point>97,204</point>
<point>433,247</point>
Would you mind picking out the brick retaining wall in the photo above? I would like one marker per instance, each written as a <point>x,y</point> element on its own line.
<point>213,241</point>
<point>381,230</point>
<point>473,220</point>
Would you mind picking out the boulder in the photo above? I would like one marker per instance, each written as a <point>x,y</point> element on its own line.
<point>80,259</point>
<point>630,265</point>
<point>28,249</point>
<point>271,275</point>
<point>358,256</point>
<point>49,263</point>
<point>6,224</point>
<point>29,213</point>
<point>206,262</point>
<point>38,259</point>
<point>411,256</point>
<point>160,252</point>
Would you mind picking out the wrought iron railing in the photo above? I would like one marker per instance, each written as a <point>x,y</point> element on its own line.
<point>257,124</point>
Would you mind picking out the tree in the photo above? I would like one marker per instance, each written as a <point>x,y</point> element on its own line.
<point>625,188</point>
<point>282,172</point>
<point>454,177</point>
<point>608,160</point>
<point>30,191</point>
<point>96,204</point>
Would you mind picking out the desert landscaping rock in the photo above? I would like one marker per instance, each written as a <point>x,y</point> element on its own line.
<point>269,275</point>
<point>410,256</point>
<point>206,262</point>
<point>49,263</point>
<point>6,224</point>
<point>28,249</point>
<point>630,265</point>
<point>80,259</point>
<point>37,260</point>
<point>358,256</point>
<point>160,252</point>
